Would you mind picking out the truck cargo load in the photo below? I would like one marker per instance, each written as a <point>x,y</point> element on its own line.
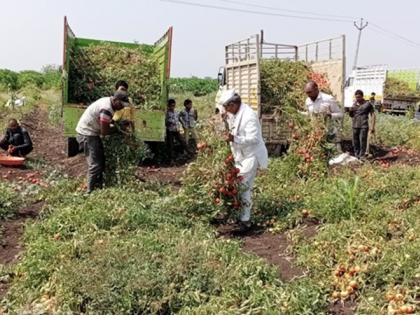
<point>91,68</point>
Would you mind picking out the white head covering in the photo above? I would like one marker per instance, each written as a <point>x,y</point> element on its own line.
<point>226,96</point>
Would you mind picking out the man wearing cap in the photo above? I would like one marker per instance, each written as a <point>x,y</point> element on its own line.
<point>92,126</point>
<point>125,116</point>
<point>247,147</point>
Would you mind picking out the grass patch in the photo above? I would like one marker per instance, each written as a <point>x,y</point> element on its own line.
<point>9,200</point>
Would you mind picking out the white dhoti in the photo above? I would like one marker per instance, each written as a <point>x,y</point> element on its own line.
<point>248,170</point>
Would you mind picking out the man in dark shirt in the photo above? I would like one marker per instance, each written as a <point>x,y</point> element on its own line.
<point>172,131</point>
<point>360,112</point>
<point>16,141</point>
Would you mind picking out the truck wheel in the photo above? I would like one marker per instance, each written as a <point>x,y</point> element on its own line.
<point>72,147</point>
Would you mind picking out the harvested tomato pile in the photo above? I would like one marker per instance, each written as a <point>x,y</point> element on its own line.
<point>31,177</point>
<point>322,81</point>
<point>397,298</point>
<point>398,155</point>
<point>228,188</point>
<point>349,276</point>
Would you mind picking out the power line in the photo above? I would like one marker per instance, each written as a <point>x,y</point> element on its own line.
<point>390,36</point>
<point>329,18</point>
<point>395,35</point>
<point>254,12</point>
<point>349,18</point>
<point>378,28</point>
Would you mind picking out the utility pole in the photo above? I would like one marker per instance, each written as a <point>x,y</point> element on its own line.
<point>360,27</point>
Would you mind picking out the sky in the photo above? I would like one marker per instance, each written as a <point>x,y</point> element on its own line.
<point>31,32</point>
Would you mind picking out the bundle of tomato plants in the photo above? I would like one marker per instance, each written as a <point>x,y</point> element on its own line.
<point>212,184</point>
<point>228,187</point>
<point>95,69</point>
<point>309,146</point>
<point>282,83</point>
<point>123,152</point>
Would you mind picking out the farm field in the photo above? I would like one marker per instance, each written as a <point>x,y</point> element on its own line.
<point>342,240</point>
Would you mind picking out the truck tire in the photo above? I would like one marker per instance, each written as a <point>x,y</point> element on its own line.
<point>72,147</point>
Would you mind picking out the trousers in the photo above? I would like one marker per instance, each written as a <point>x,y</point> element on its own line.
<point>95,157</point>
<point>190,132</point>
<point>170,138</point>
<point>248,170</point>
<point>360,136</point>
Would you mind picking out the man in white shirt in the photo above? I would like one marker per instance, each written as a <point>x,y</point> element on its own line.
<point>247,147</point>
<point>319,104</point>
<point>94,124</point>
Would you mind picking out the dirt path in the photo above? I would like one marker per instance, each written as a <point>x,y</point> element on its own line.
<point>163,175</point>
<point>50,144</point>
<point>275,249</point>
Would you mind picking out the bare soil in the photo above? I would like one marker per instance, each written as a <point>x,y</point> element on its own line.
<point>273,248</point>
<point>164,175</point>
<point>50,144</point>
<point>342,308</point>
<point>386,156</point>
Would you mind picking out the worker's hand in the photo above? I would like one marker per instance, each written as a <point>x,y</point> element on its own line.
<point>228,137</point>
<point>11,149</point>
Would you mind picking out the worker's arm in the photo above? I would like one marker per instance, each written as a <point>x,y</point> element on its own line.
<point>335,110</point>
<point>5,138</point>
<point>105,119</point>
<point>352,110</point>
<point>181,119</point>
<point>105,129</point>
<point>373,120</point>
<point>306,112</point>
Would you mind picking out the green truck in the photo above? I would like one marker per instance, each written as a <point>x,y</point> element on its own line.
<point>149,122</point>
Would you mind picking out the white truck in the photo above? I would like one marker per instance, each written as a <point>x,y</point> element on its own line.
<point>372,79</point>
<point>369,79</point>
<point>242,73</point>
